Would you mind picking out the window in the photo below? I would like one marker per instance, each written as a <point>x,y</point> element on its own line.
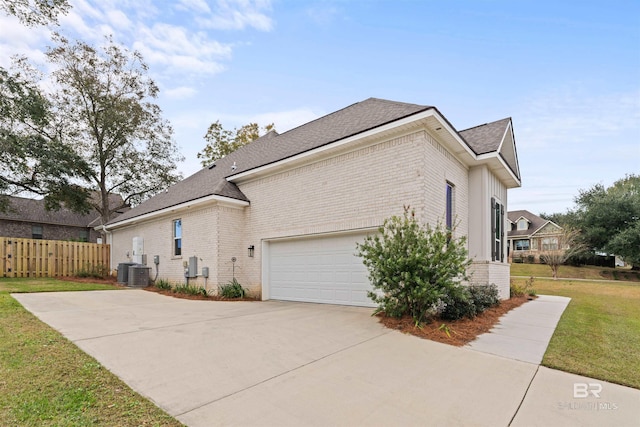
<point>497,230</point>
<point>36,232</point>
<point>523,224</point>
<point>84,236</point>
<point>177,237</point>
<point>449,208</point>
<point>550,244</point>
<point>521,245</point>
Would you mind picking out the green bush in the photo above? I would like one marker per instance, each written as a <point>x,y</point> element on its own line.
<point>413,267</point>
<point>98,271</point>
<point>163,284</point>
<point>470,301</point>
<point>232,289</point>
<point>484,296</point>
<point>190,290</point>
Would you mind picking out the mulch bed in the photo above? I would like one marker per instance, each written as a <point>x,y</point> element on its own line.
<point>461,331</point>
<point>194,297</point>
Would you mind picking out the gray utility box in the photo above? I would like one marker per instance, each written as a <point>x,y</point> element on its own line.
<point>192,269</point>
<point>123,272</point>
<point>138,276</point>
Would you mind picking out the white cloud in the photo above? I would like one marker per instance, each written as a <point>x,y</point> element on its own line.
<point>180,50</point>
<point>200,6</point>
<point>238,15</point>
<point>182,92</point>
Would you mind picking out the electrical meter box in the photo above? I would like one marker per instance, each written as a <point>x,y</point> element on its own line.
<point>192,269</point>
<point>138,250</point>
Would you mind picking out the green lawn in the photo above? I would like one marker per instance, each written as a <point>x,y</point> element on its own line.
<point>599,333</point>
<point>567,271</point>
<point>45,380</point>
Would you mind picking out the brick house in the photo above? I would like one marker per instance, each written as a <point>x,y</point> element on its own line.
<point>29,219</point>
<point>283,214</point>
<point>530,234</point>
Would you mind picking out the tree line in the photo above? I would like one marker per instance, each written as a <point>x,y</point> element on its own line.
<point>607,218</point>
<point>94,130</point>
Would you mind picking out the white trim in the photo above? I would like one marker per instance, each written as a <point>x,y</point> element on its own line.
<point>214,198</point>
<point>431,112</point>
<point>488,157</point>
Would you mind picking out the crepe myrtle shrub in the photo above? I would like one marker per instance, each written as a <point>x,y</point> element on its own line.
<point>414,268</point>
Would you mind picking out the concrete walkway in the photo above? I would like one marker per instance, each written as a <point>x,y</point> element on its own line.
<point>280,363</point>
<point>524,332</point>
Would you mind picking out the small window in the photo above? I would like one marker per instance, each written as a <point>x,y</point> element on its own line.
<point>550,244</point>
<point>36,232</point>
<point>177,237</point>
<point>83,236</point>
<point>523,224</point>
<point>521,245</point>
<point>449,208</point>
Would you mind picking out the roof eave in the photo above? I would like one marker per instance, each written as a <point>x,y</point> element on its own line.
<point>459,148</point>
<point>176,209</point>
<point>497,164</point>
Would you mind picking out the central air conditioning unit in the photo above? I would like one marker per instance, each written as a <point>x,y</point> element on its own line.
<point>123,272</point>
<point>138,276</point>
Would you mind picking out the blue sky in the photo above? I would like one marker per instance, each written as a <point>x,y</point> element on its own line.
<point>567,72</point>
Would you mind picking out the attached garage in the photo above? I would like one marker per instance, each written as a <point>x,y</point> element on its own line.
<point>318,269</point>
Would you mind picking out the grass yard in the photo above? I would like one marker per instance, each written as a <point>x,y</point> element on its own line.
<point>45,380</point>
<point>588,272</point>
<point>599,333</point>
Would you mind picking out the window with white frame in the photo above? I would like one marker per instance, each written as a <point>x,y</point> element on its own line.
<point>521,245</point>
<point>550,244</point>
<point>523,224</point>
<point>497,230</point>
<point>177,237</point>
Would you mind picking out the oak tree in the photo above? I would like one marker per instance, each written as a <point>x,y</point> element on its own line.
<point>221,141</point>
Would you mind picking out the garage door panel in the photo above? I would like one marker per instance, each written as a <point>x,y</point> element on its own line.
<point>324,270</point>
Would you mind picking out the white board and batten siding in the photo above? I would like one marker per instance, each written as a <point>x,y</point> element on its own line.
<point>320,269</point>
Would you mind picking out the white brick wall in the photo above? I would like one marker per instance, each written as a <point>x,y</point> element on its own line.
<point>354,190</point>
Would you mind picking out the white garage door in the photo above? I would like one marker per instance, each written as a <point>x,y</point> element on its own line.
<point>321,269</point>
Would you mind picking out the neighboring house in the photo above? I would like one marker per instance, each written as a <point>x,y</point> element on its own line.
<point>529,235</point>
<point>283,214</point>
<point>29,219</point>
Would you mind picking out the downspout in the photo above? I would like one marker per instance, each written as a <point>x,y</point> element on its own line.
<point>108,237</point>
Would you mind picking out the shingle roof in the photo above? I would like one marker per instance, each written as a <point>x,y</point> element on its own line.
<point>31,210</point>
<point>272,147</point>
<point>487,138</point>
<point>535,220</point>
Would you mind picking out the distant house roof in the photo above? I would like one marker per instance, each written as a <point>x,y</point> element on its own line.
<point>536,223</point>
<point>271,148</point>
<point>32,210</point>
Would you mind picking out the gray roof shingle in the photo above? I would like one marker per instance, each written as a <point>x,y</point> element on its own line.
<point>32,210</point>
<point>273,147</point>
<point>535,223</point>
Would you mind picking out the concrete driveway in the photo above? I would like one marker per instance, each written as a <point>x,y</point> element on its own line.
<point>280,363</point>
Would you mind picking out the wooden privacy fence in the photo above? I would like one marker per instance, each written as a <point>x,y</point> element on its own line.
<point>49,258</point>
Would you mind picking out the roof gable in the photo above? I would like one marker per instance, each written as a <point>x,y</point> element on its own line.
<point>495,137</point>
<point>537,223</point>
